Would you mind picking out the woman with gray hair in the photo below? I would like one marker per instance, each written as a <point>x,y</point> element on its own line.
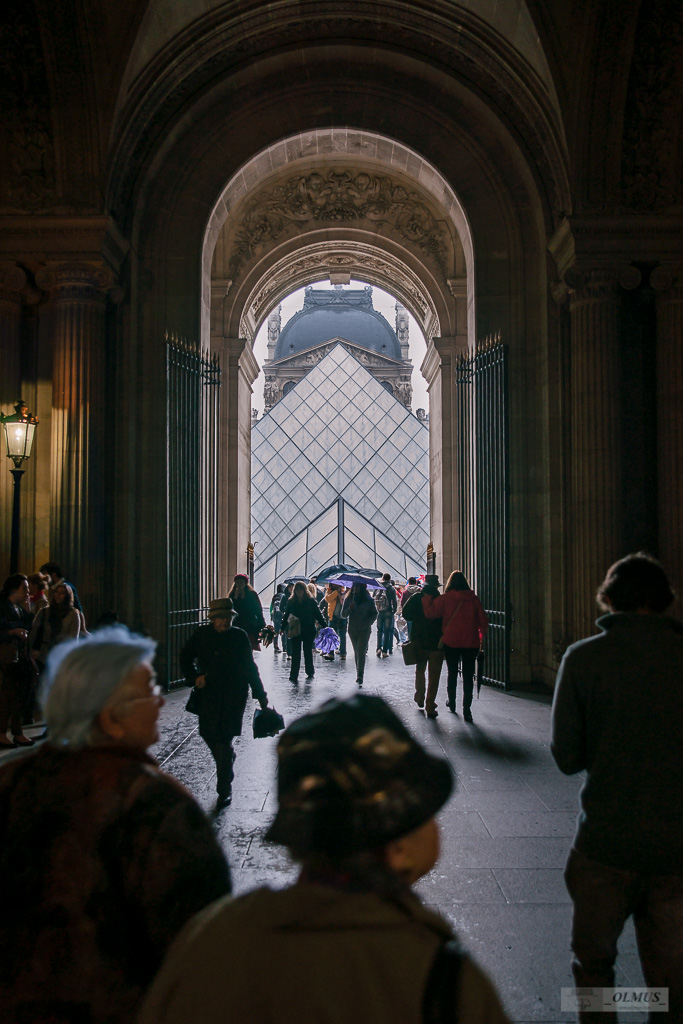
<point>102,857</point>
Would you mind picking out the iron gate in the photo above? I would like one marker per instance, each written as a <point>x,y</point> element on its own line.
<point>484,496</point>
<point>192,421</point>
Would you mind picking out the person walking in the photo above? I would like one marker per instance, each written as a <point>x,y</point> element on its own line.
<point>618,716</point>
<point>276,615</point>
<point>302,607</point>
<point>218,661</point>
<point>360,610</point>
<point>425,634</point>
<point>37,596</point>
<point>103,858</point>
<point>464,626</point>
<point>247,609</point>
<point>286,643</point>
<point>334,600</point>
<point>386,604</point>
<point>351,939</point>
<point>408,592</point>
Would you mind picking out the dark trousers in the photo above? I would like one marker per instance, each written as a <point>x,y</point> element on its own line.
<point>340,626</point>
<point>385,631</point>
<point>359,642</point>
<point>17,688</point>
<point>604,898</point>
<point>297,643</point>
<point>224,756</point>
<point>468,657</point>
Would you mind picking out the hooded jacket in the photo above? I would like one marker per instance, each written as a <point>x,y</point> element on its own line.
<point>311,952</point>
<point>464,622</point>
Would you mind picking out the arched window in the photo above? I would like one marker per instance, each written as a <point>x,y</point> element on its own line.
<point>387,385</point>
<point>288,387</point>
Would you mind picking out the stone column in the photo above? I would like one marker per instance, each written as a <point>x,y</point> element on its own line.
<point>12,283</point>
<point>438,368</point>
<point>669,288</point>
<point>77,328</point>
<point>595,440</point>
<point>239,371</point>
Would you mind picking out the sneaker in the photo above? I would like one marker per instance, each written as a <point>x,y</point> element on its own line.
<point>385,654</point>
<point>420,701</point>
<point>467,715</point>
<point>451,706</point>
<point>312,676</point>
<point>432,713</point>
<point>342,657</point>
<point>359,681</point>
<point>379,652</point>
<point>293,679</point>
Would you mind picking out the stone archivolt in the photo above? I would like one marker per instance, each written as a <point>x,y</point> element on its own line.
<point>336,196</point>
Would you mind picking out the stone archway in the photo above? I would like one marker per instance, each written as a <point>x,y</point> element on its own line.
<point>320,203</point>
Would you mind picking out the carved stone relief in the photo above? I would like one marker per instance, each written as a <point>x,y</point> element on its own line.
<point>336,196</point>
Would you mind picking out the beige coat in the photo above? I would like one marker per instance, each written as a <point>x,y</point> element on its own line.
<point>310,953</point>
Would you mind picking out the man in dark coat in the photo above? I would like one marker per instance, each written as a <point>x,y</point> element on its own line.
<point>618,716</point>
<point>217,659</point>
<point>425,634</point>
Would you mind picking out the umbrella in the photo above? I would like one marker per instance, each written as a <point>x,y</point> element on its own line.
<point>480,665</point>
<point>335,570</point>
<point>375,573</point>
<point>297,579</point>
<point>347,579</point>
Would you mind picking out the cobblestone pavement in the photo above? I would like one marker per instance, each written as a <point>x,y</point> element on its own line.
<point>505,832</point>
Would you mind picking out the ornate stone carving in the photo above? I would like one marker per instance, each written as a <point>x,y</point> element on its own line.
<point>651,173</point>
<point>13,281</point>
<point>76,280</point>
<point>402,324</point>
<point>336,196</point>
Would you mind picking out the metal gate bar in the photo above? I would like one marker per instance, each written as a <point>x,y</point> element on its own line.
<point>192,412</point>
<point>483,490</point>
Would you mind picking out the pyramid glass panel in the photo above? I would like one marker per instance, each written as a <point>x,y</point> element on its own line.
<point>339,434</point>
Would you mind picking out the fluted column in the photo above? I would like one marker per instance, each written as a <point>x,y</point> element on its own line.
<point>78,516</point>
<point>12,283</point>
<point>595,440</point>
<point>669,288</point>
<point>239,370</point>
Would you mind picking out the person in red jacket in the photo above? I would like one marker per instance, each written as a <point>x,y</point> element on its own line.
<point>464,626</point>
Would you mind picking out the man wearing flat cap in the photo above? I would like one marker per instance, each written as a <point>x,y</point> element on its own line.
<point>217,660</point>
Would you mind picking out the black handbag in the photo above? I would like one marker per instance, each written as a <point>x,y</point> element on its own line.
<point>194,701</point>
<point>411,653</point>
<point>267,722</point>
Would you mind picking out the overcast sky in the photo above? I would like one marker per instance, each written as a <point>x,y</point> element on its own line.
<point>383,303</point>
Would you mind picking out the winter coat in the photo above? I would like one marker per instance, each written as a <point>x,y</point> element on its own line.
<point>407,594</point>
<point>464,622</point>
<point>333,602</point>
<point>424,632</point>
<point>308,614</point>
<point>226,660</point>
<point>103,859</point>
<point>249,613</point>
<point>44,637</point>
<point>618,716</point>
<point>311,953</point>
<point>361,614</point>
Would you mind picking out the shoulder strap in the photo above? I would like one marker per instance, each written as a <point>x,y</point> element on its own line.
<point>440,1001</point>
<point>444,628</point>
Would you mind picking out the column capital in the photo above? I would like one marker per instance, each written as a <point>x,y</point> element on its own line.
<point>586,283</point>
<point>13,281</point>
<point>667,279</point>
<point>76,280</point>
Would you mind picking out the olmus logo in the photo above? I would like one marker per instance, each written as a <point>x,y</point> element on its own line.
<point>656,1000</point>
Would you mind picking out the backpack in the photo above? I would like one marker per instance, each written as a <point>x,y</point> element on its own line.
<point>382,601</point>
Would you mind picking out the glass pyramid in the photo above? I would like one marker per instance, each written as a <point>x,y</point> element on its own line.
<point>340,473</point>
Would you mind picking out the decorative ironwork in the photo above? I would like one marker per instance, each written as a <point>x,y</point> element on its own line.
<point>484,495</point>
<point>192,422</point>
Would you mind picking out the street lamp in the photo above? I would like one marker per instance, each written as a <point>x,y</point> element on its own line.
<point>19,431</point>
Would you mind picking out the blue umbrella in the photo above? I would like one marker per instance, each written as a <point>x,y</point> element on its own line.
<point>347,579</point>
<point>335,570</point>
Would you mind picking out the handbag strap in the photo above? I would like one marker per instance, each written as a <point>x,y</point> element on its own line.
<point>444,628</point>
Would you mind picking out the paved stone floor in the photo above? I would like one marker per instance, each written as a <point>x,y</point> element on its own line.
<point>505,832</point>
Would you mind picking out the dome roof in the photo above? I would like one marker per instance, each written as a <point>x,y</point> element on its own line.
<point>338,314</point>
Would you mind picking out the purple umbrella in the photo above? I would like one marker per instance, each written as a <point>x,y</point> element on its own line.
<point>347,579</point>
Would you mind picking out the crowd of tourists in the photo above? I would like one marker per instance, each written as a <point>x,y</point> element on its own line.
<point>116,894</point>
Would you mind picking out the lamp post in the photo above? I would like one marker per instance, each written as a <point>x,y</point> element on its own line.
<point>19,431</point>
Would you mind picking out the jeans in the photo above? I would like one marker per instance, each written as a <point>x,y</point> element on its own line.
<point>468,656</point>
<point>604,898</point>
<point>434,664</point>
<point>340,626</point>
<point>359,642</point>
<point>385,631</point>
<point>297,643</point>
